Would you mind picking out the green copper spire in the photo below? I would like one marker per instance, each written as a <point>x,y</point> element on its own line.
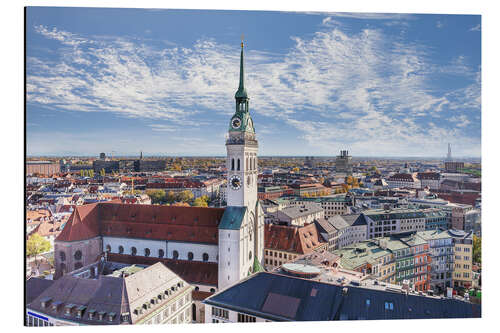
<point>241,93</point>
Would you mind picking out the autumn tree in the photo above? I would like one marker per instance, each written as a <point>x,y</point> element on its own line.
<point>171,197</point>
<point>157,196</point>
<point>200,202</point>
<point>185,196</point>
<point>36,245</point>
<point>476,249</point>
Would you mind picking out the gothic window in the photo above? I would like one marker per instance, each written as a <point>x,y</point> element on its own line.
<point>147,252</point>
<point>190,256</point>
<point>250,255</point>
<point>175,254</point>
<point>78,265</point>
<point>232,164</point>
<point>78,255</point>
<point>205,256</point>
<point>108,248</point>
<point>161,253</point>
<point>62,255</point>
<point>133,250</point>
<point>238,164</point>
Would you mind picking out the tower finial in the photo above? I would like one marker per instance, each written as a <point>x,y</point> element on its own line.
<point>241,93</point>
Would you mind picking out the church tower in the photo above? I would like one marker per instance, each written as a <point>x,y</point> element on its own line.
<point>241,231</point>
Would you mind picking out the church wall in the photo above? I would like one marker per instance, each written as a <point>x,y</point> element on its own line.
<point>183,248</point>
<point>90,250</point>
<point>230,254</point>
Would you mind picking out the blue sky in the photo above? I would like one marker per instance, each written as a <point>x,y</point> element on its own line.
<point>163,81</point>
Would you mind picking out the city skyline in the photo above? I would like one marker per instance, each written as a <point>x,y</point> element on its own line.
<point>405,84</point>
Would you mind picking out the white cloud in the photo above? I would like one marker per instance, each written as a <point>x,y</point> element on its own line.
<point>334,88</point>
<point>476,28</point>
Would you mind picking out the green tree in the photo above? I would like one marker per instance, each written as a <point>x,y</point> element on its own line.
<point>199,202</point>
<point>185,196</point>
<point>157,196</point>
<point>476,249</point>
<point>171,197</point>
<point>36,244</point>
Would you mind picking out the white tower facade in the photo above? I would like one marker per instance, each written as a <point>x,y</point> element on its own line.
<point>241,231</point>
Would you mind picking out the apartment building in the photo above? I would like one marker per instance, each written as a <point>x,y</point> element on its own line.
<point>382,223</point>
<point>462,272</point>
<point>334,205</point>
<point>442,254</point>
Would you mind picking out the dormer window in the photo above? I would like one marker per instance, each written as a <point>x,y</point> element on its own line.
<point>92,314</point>
<point>80,310</point>
<point>101,315</point>
<point>68,309</point>
<point>111,316</point>
<point>45,302</point>
<point>55,305</point>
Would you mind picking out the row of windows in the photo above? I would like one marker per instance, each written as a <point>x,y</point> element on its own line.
<point>221,313</point>
<point>251,163</point>
<point>161,253</point>
<point>77,255</point>
<point>181,318</point>
<point>243,318</point>
<point>34,321</point>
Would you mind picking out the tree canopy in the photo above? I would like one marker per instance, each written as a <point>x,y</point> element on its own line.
<point>476,249</point>
<point>37,244</point>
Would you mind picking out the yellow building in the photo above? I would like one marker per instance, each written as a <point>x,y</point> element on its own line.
<point>462,271</point>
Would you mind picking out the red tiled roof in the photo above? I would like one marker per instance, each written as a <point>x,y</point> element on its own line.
<point>82,224</point>
<point>189,224</point>
<point>292,239</point>
<point>194,272</point>
<point>201,295</point>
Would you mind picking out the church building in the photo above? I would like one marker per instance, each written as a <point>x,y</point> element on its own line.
<point>210,248</point>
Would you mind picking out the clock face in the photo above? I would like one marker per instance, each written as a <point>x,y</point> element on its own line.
<point>235,182</point>
<point>236,123</point>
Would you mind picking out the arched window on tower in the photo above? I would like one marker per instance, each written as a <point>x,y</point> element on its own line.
<point>205,256</point>
<point>232,164</point>
<point>238,164</point>
<point>147,252</point>
<point>62,255</point>
<point>175,254</point>
<point>190,256</point>
<point>120,249</point>
<point>78,255</point>
<point>161,253</point>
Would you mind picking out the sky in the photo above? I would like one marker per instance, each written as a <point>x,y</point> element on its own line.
<point>121,81</point>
